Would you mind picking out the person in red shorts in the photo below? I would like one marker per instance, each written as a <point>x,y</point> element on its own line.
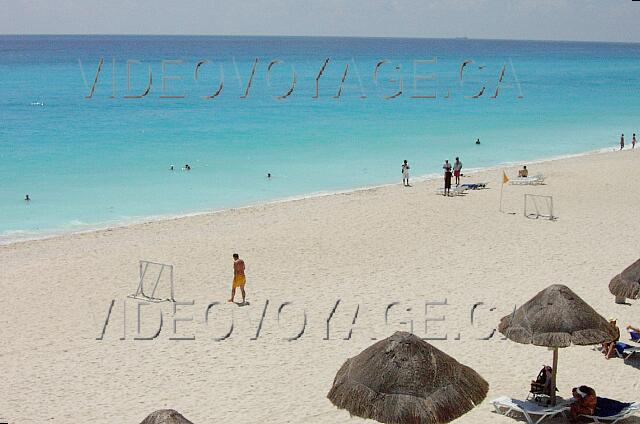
<point>457,169</point>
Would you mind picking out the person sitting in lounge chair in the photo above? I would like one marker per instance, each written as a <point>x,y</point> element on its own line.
<point>524,172</point>
<point>608,348</point>
<point>585,400</point>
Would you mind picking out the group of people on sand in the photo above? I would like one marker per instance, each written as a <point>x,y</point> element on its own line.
<point>633,141</point>
<point>457,173</point>
<point>450,171</point>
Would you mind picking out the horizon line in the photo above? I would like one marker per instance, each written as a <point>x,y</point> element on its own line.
<point>313,36</point>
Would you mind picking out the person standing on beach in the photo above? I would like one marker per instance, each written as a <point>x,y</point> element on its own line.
<point>622,142</point>
<point>405,174</point>
<point>633,141</point>
<point>239,279</point>
<point>457,169</point>
<point>447,177</point>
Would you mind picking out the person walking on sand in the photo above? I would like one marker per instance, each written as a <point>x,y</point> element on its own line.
<point>447,177</point>
<point>405,173</point>
<point>239,278</point>
<point>622,142</point>
<point>457,169</point>
<point>633,141</point>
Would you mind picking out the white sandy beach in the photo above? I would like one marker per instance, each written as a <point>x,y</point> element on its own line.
<point>369,248</point>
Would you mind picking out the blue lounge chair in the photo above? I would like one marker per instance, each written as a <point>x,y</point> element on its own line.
<point>625,351</point>
<point>611,411</point>
<point>474,186</point>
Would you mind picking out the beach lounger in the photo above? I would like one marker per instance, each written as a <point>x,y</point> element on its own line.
<point>535,180</point>
<point>611,411</point>
<point>533,412</point>
<point>635,337</point>
<point>625,351</point>
<point>474,186</point>
<point>454,191</point>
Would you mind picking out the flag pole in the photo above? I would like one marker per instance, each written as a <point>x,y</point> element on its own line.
<point>505,180</point>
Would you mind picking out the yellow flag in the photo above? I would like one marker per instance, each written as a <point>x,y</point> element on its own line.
<point>505,179</point>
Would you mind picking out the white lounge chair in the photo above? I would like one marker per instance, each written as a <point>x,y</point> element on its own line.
<point>627,412</point>
<point>533,412</point>
<point>454,191</point>
<point>535,180</point>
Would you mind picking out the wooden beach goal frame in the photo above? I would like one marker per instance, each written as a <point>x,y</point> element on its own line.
<point>538,206</point>
<point>140,291</point>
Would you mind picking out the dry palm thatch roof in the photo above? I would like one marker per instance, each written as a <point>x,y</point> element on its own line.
<point>403,379</point>
<point>165,416</point>
<point>556,317</point>
<point>627,283</point>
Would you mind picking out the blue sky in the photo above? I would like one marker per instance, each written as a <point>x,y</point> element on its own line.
<point>601,20</point>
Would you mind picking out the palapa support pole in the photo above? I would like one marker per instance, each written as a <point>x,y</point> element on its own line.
<point>553,376</point>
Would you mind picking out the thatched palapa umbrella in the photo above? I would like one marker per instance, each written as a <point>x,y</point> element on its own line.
<point>403,379</point>
<point>627,283</point>
<point>165,416</point>
<point>556,317</point>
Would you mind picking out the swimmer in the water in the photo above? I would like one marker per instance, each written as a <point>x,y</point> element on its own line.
<point>269,175</point>
<point>171,168</point>
<point>27,198</point>
<point>478,141</point>
<point>187,167</point>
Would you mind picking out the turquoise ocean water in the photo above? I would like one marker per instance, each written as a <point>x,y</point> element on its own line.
<point>101,161</point>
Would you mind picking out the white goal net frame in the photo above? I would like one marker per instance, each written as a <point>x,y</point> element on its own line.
<point>538,206</point>
<point>153,281</point>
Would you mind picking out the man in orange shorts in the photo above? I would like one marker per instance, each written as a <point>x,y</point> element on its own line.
<point>239,279</point>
